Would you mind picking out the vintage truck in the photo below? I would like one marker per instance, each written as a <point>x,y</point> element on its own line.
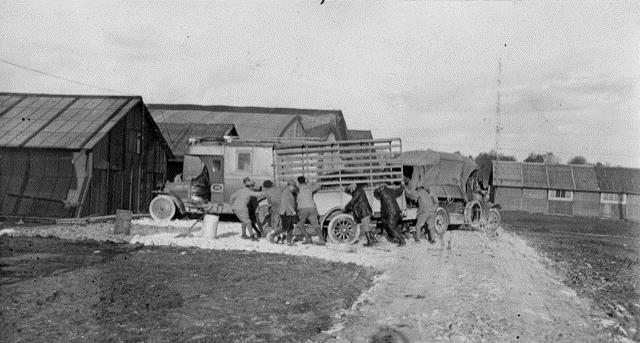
<point>454,180</point>
<point>214,169</point>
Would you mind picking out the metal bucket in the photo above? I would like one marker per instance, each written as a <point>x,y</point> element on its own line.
<point>210,226</point>
<point>122,224</point>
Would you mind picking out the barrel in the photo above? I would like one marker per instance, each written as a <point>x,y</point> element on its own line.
<point>210,226</point>
<point>123,222</point>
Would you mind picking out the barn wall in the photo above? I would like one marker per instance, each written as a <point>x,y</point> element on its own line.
<point>615,211</point>
<point>633,207</point>
<point>128,164</point>
<point>586,204</point>
<point>37,183</point>
<point>561,207</point>
<point>534,200</point>
<point>509,198</point>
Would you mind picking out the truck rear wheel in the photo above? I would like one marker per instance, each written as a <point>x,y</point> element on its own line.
<point>162,208</point>
<point>343,229</point>
<point>441,221</point>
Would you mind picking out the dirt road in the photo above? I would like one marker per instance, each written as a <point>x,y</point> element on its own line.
<point>481,291</point>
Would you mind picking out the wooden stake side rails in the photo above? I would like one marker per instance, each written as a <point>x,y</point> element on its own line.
<point>324,144</point>
<point>335,148</point>
<point>354,176</point>
<point>339,164</point>
<point>331,168</point>
<point>333,156</point>
<point>345,181</point>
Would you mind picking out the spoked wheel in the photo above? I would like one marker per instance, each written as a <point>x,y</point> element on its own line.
<point>441,221</point>
<point>162,208</point>
<point>493,222</point>
<point>343,229</point>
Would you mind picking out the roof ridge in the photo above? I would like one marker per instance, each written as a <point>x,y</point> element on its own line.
<point>245,109</point>
<point>69,95</point>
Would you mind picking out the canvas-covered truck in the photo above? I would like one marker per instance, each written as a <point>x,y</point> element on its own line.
<point>454,180</point>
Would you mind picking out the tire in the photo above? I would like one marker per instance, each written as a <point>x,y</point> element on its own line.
<point>441,221</point>
<point>162,208</point>
<point>493,221</point>
<point>343,229</point>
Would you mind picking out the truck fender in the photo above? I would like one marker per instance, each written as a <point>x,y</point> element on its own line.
<point>179,204</point>
<point>326,216</point>
<point>496,206</point>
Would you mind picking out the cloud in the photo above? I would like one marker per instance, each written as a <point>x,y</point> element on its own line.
<point>562,93</point>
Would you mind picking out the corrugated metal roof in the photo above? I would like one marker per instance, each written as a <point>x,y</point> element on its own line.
<point>585,178</point>
<point>255,126</point>
<point>618,180</point>
<point>59,121</point>
<point>534,175</point>
<point>310,118</point>
<point>178,134</point>
<point>359,134</point>
<point>560,176</point>
<point>507,173</point>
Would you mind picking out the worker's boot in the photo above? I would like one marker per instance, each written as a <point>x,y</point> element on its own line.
<point>374,239</point>
<point>416,236</point>
<point>371,240</point>
<point>432,235</point>
<point>368,242</point>
<point>397,237</point>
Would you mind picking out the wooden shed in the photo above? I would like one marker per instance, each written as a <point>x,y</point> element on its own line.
<point>77,155</point>
<point>583,190</point>
<point>620,192</point>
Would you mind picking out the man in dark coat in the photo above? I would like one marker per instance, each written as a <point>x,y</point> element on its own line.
<point>390,212</point>
<point>359,205</point>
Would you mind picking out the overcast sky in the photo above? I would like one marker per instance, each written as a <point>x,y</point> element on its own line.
<point>425,72</point>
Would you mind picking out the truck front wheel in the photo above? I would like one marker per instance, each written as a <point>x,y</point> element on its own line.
<point>343,229</point>
<point>162,208</point>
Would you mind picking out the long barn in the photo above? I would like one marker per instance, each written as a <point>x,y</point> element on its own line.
<point>581,190</point>
<point>77,155</point>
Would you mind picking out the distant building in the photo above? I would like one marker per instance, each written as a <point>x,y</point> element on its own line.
<point>359,135</point>
<point>77,155</point>
<point>258,122</point>
<point>582,190</point>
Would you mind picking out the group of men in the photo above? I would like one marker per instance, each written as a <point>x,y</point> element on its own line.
<point>287,206</point>
<point>293,204</point>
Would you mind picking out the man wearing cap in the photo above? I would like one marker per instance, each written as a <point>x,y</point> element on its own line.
<point>273,194</point>
<point>427,205</point>
<point>287,212</point>
<point>239,201</point>
<point>307,209</point>
<point>359,205</point>
<point>390,212</point>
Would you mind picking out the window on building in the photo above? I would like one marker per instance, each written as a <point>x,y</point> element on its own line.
<point>560,194</point>
<point>244,161</point>
<point>613,198</point>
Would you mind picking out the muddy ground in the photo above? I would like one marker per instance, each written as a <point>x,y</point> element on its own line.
<point>599,259</point>
<point>543,279</point>
<point>55,290</point>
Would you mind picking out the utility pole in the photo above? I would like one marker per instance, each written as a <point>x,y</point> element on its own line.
<point>498,112</point>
